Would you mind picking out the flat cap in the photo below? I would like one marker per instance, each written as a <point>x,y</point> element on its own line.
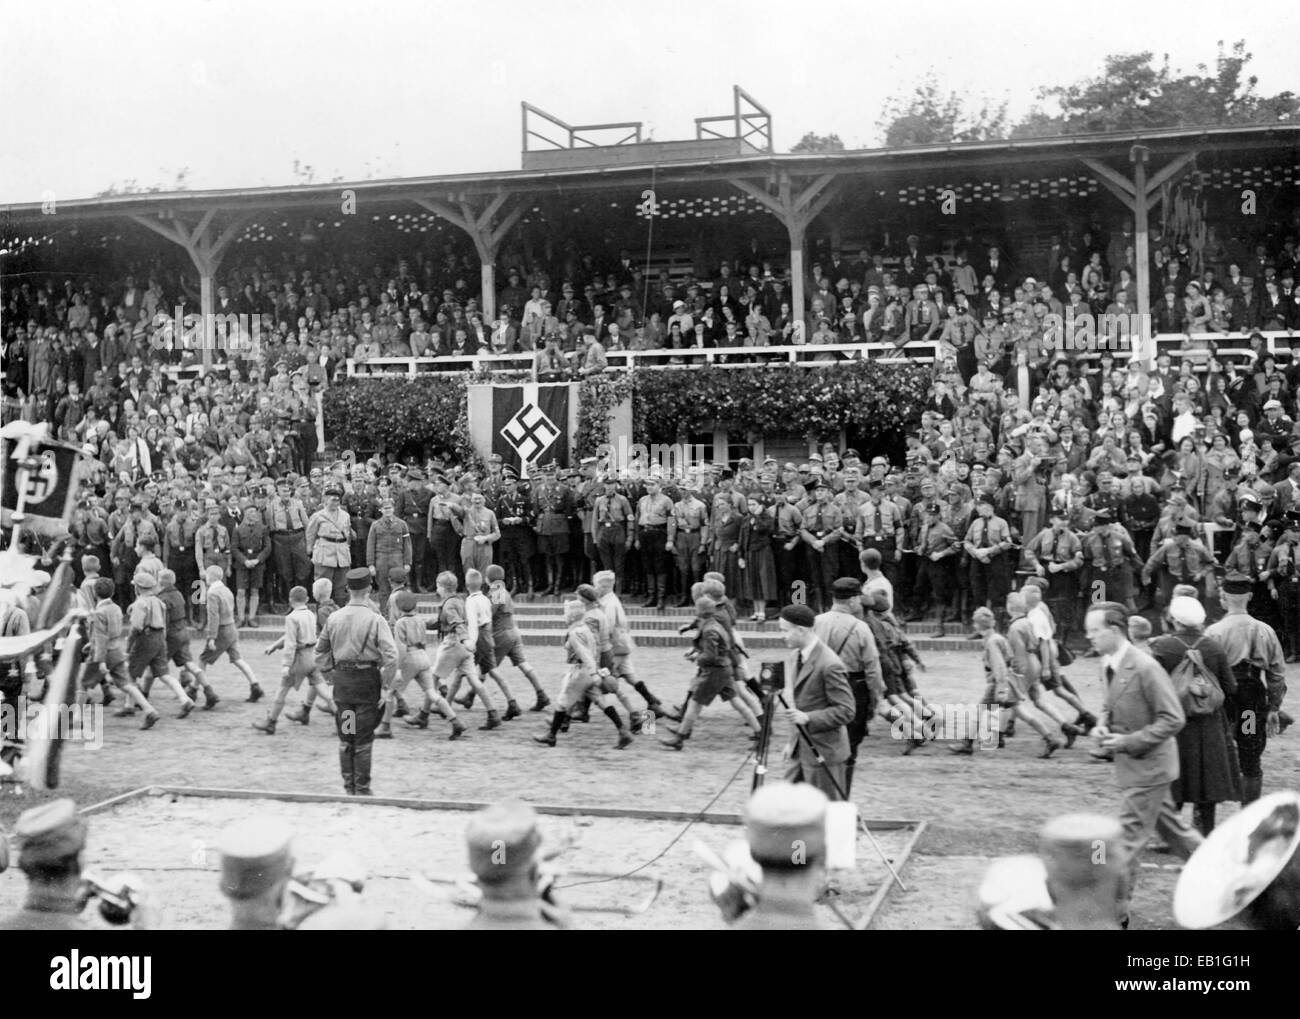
<point>786,825</point>
<point>503,841</point>
<point>255,857</point>
<point>144,582</point>
<point>51,832</point>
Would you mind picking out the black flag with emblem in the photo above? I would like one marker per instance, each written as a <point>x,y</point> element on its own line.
<point>49,489</point>
<point>531,424</point>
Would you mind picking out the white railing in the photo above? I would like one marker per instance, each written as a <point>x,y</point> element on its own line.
<point>1235,346</point>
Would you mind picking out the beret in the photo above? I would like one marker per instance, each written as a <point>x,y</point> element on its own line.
<point>799,615</point>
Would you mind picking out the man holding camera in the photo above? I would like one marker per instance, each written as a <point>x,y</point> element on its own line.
<point>51,839</point>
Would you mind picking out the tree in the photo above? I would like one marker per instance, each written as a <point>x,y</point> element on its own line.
<point>812,142</point>
<point>926,116</point>
<point>1133,93</point>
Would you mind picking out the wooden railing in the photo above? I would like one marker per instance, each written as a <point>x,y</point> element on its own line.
<point>1235,346</point>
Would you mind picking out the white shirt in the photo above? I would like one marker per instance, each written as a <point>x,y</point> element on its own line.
<point>1041,620</point>
<point>478,613</point>
<point>1111,661</point>
<point>880,583</point>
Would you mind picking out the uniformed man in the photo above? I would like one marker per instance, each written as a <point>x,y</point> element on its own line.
<point>787,546</point>
<point>1283,579</point>
<point>853,642</point>
<point>785,825</point>
<point>287,521</point>
<point>412,506</point>
<point>1181,561</point>
<point>879,525</point>
<point>1259,666</point>
<point>504,854</point>
<point>587,491</point>
<point>987,541</point>
<point>212,541</point>
<point>179,537</point>
<point>553,504</point>
<point>329,532</point>
<point>388,547</point>
<point>609,525</point>
<point>256,867</point>
<point>361,503</point>
<point>443,540</point>
<point>650,536</point>
<point>515,514</point>
<point>688,539</point>
<point>51,839</point>
<point>1057,555</point>
<point>357,644</point>
<point>479,532</point>
<point>821,536</point>
<point>252,548</point>
<point>1110,558</point>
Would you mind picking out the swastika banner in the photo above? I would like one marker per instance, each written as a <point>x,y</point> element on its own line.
<point>48,491</point>
<point>527,425</point>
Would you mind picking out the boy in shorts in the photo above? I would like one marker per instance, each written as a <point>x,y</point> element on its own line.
<point>178,639</point>
<point>413,663</point>
<point>299,643</point>
<point>322,592</point>
<point>146,647</point>
<point>223,636</point>
<point>581,680</point>
<point>108,648</point>
<point>457,647</point>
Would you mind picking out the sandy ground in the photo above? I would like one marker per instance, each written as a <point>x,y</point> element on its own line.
<point>976,807</point>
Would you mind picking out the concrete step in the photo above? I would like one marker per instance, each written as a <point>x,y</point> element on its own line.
<point>766,641</point>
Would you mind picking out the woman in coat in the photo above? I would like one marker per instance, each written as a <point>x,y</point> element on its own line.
<point>1208,773</point>
<point>756,562</point>
<point>725,551</point>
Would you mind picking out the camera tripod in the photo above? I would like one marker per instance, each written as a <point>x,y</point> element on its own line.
<point>772,695</point>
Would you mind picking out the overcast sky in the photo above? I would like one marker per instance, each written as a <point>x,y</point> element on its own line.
<point>93,94</point>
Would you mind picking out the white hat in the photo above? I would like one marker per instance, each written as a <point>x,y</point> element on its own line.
<point>1273,405</point>
<point>678,304</point>
<point>1238,861</point>
<point>1187,612</point>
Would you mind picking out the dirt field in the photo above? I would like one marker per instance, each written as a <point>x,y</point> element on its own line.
<point>977,807</point>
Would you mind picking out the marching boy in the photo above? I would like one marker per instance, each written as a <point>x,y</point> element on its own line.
<point>413,663</point>
<point>299,643</point>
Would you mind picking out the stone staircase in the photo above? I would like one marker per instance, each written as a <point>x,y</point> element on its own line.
<point>541,622</point>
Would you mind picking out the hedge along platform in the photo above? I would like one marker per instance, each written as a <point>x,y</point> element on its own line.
<point>414,855</point>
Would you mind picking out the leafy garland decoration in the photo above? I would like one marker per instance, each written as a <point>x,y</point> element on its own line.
<point>598,395</point>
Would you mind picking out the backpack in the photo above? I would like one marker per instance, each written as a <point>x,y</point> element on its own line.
<point>1198,691</point>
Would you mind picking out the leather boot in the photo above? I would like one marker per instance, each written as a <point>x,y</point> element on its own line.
<point>420,721</point>
<point>493,721</point>
<point>512,711</point>
<point>301,716</point>
<point>361,769</point>
<point>543,702</point>
<point>345,766</point>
